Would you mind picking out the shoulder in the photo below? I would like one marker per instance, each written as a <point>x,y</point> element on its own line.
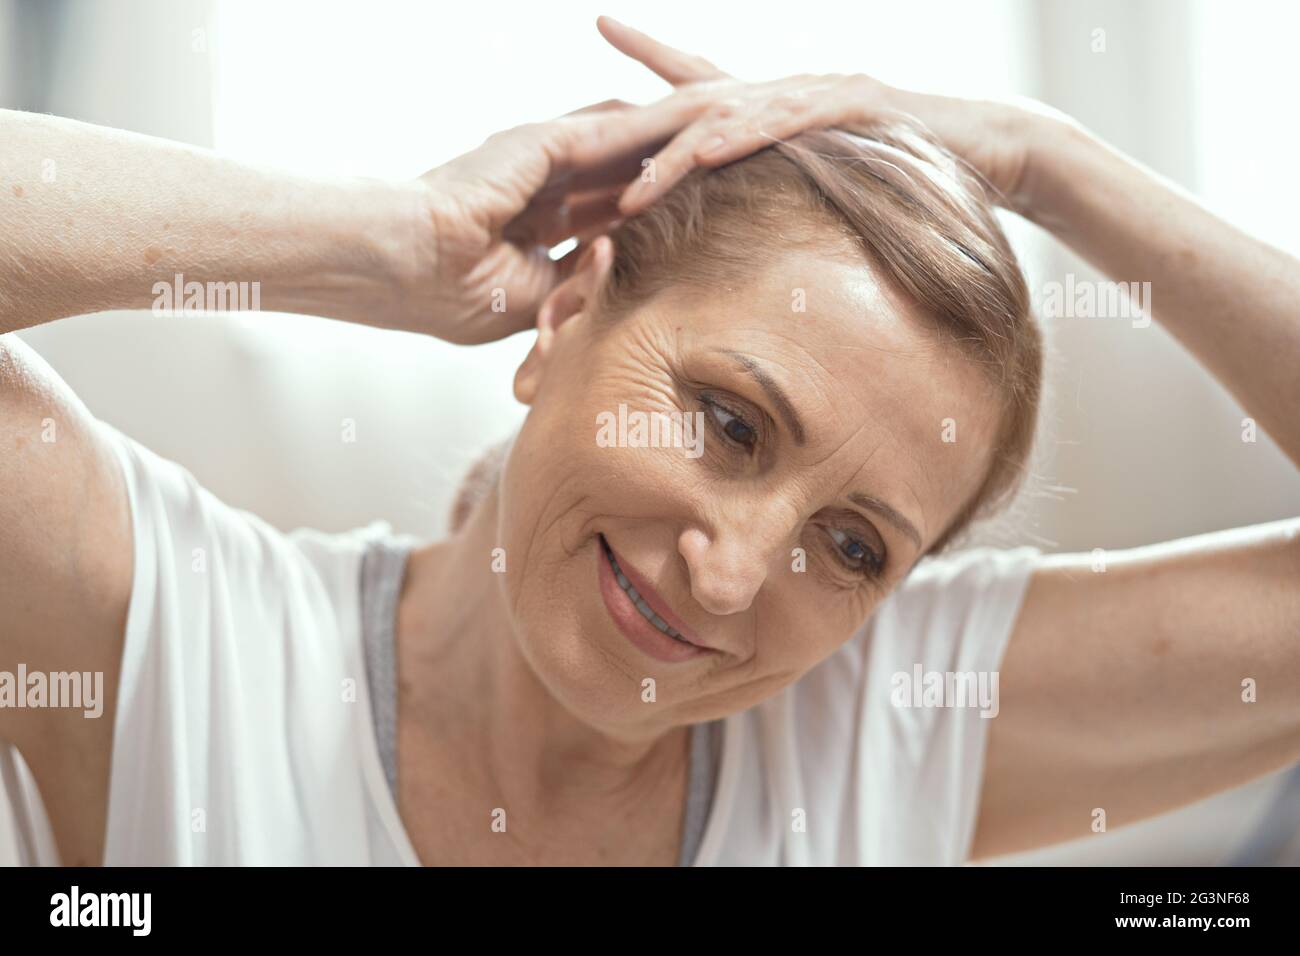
<point>242,663</point>
<point>190,546</point>
<point>64,539</point>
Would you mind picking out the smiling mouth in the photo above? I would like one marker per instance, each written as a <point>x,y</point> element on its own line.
<point>644,609</point>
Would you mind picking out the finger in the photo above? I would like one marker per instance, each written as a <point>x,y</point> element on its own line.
<point>613,173</point>
<point>785,110</point>
<point>678,157</point>
<point>525,276</point>
<point>594,211</point>
<point>602,106</point>
<point>666,169</point>
<point>672,65</point>
<point>745,135</point>
<point>601,149</point>
<point>577,214</point>
<point>599,229</point>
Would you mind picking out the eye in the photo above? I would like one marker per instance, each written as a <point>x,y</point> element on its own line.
<point>855,553</point>
<point>732,425</point>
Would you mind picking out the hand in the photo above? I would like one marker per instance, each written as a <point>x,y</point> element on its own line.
<point>737,118</point>
<point>489,217</point>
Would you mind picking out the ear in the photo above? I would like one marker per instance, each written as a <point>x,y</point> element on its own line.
<point>571,297</point>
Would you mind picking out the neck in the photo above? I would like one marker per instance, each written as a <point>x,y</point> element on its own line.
<point>460,654</point>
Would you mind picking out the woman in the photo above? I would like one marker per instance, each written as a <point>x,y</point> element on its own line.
<point>725,648</point>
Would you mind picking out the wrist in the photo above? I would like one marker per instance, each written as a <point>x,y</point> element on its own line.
<point>357,253</point>
<point>404,249</point>
<point>1056,147</point>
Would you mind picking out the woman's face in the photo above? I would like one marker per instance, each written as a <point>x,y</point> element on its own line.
<point>810,473</point>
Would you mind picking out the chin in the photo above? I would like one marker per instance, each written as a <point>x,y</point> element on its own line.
<point>565,634</point>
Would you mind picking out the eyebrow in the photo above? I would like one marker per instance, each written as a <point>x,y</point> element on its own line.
<point>889,513</point>
<point>784,407</point>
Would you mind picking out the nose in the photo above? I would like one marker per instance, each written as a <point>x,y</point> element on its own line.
<point>729,563</point>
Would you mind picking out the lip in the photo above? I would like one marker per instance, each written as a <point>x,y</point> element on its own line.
<point>640,632</point>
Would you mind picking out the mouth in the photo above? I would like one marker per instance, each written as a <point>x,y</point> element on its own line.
<point>634,610</point>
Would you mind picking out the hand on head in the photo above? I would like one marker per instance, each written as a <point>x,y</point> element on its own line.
<point>497,211</point>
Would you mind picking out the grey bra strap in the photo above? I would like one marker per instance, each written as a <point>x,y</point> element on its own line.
<point>706,744</point>
<point>383,566</point>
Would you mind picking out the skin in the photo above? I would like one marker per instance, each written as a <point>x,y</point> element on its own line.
<point>713,534</point>
<point>1118,690</point>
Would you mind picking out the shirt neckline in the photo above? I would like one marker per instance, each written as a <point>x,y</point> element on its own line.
<point>706,854</point>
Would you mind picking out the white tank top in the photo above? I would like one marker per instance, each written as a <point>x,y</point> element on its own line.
<point>244,732</point>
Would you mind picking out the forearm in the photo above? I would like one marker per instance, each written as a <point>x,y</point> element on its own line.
<point>94,218</point>
<point>1232,300</point>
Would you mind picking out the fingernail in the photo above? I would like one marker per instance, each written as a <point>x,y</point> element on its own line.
<point>712,146</point>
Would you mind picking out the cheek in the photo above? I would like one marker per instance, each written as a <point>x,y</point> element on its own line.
<point>580,447</point>
<point>559,486</point>
<point>792,640</point>
<point>550,583</point>
<point>801,623</point>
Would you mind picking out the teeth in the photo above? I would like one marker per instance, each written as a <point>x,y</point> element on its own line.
<point>639,603</point>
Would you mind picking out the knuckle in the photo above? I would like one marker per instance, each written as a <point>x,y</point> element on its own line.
<point>724,109</point>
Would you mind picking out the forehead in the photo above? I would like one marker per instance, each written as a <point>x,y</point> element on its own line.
<point>885,402</point>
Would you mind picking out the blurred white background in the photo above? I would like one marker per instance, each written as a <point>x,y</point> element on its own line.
<point>1139,444</point>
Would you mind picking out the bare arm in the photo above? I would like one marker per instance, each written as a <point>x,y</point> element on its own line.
<point>120,212</point>
<point>1230,299</point>
<point>459,253</point>
<point>1175,672</point>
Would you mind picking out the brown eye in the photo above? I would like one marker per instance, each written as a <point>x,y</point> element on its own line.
<point>732,425</point>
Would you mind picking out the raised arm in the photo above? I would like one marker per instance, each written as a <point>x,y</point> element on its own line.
<point>1174,671</point>
<point>1232,300</point>
<point>94,217</point>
